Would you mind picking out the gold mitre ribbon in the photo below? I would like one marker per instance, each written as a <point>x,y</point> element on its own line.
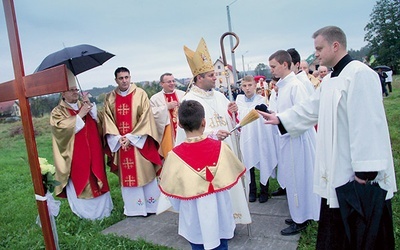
<point>199,60</point>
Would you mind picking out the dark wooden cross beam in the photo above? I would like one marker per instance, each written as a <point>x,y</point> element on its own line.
<point>46,82</point>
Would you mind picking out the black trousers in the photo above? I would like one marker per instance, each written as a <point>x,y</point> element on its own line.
<point>253,186</point>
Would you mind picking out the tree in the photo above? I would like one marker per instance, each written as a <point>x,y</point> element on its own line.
<point>151,88</point>
<point>359,54</point>
<point>41,105</point>
<point>383,33</point>
<point>262,69</point>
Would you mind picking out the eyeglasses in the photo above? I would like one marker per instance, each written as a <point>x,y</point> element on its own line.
<point>73,90</point>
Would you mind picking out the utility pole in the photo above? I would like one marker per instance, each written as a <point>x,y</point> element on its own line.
<point>235,78</point>
<point>244,70</point>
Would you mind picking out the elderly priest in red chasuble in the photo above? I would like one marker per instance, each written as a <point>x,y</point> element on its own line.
<point>78,155</point>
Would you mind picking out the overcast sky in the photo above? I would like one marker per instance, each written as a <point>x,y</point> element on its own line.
<point>147,36</point>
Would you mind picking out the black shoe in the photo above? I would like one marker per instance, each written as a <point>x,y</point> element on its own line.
<point>263,198</point>
<point>252,197</point>
<point>280,191</point>
<point>294,229</point>
<point>289,221</point>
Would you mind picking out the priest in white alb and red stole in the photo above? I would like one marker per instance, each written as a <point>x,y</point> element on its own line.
<point>164,106</point>
<point>132,137</point>
<point>78,156</point>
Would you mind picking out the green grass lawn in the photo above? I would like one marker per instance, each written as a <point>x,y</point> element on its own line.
<point>18,206</point>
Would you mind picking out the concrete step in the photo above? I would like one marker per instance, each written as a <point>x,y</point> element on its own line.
<point>268,220</point>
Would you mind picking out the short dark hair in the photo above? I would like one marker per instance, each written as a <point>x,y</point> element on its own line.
<point>294,54</point>
<point>165,74</point>
<point>121,69</point>
<point>190,114</point>
<point>282,56</point>
<point>201,74</point>
<point>332,34</point>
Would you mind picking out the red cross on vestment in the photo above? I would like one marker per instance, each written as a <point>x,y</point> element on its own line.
<point>22,87</point>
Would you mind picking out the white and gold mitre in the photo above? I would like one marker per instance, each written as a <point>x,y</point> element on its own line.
<point>199,60</point>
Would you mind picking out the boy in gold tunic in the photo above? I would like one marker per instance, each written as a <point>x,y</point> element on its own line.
<point>196,177</point>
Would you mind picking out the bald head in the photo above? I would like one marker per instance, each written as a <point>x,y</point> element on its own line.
<point>304,66</point>
<point>323,71</point>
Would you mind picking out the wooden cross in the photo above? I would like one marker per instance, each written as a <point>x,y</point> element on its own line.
<point>22,87</point>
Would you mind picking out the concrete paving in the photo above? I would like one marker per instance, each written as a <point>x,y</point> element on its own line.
<point>268,220</point>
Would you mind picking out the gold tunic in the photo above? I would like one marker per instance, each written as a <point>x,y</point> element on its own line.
<point>142,123</point>
<point>181,181</point>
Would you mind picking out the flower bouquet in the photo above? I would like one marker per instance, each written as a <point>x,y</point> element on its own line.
<point>47,170</point>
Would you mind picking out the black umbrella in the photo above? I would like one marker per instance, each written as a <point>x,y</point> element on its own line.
<point>383,67</point>
<point>362,209</point>
<point>78,59</point>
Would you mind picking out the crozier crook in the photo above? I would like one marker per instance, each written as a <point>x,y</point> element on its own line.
<point>224,59</point>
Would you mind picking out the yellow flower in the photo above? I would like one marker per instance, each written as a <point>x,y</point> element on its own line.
<point>46,167</point>
<point>43,161</point>
<point>47,170</point>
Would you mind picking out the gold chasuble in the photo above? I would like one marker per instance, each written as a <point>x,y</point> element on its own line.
<point>132,114</point>
<point>77,156</point>
<point>197,168</point>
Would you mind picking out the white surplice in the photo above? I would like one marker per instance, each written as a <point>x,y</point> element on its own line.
<point>296,156</point>
<point>95,208</point>
<point>205,220</point>
<point>160,110</point>
<point>352,136</point>
<point>256,140</point>
<point>303,77</point>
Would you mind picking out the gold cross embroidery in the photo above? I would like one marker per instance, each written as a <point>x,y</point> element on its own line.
<point>237,215</point>
<point>128,163</point>
<point>131,181</point>
<point>385,178</point>
<point>123,109</point>
<point>123,127</point>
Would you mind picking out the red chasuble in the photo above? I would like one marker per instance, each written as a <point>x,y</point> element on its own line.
<point>173,113</point>
<point>87,166</point>
<point>127,161</point>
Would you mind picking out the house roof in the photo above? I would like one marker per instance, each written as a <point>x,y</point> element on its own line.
<point>6,106</point>
<point>229,66</point>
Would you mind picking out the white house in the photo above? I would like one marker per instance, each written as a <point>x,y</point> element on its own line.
<point>222,80</point>
<point>10,108</point>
